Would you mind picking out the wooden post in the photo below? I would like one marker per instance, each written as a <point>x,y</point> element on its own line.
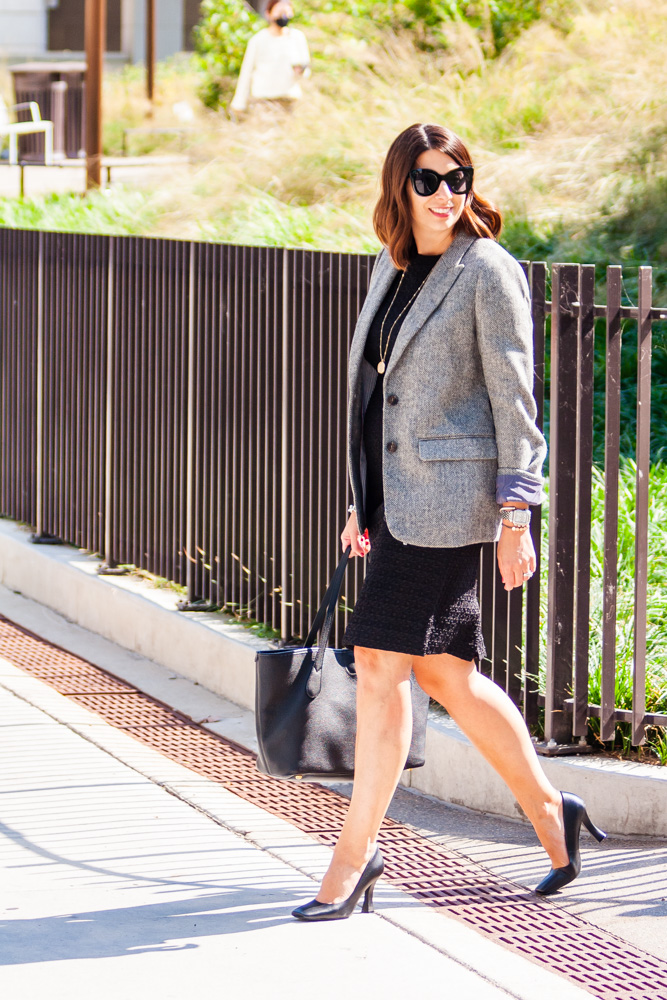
<point>95,31</point>
<point>150,53</point>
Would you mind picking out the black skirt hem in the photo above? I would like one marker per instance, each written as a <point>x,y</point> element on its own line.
<point>402,644</point>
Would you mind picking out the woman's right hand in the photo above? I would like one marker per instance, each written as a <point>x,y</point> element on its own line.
<point>359,544</point>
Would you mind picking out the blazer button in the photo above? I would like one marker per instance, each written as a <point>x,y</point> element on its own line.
<point>392,446</point>
<point>392,400</point>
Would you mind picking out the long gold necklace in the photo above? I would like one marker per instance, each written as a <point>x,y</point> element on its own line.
<point>382,367</point>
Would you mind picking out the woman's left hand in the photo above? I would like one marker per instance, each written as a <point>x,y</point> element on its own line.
<point>516,557</point>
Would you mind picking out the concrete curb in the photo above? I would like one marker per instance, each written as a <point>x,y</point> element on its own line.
<point>623,797</point>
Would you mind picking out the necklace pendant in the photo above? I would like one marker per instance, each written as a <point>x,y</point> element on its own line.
<point>381,367</point>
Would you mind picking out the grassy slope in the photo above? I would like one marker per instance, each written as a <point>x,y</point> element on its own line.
<point>567,131</point>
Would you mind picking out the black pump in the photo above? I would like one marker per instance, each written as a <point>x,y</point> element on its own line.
<point>574,814</point>
<point>339,911</point>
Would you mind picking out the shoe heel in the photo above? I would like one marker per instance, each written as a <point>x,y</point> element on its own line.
<point>599,835</point>
<point>368,900</point>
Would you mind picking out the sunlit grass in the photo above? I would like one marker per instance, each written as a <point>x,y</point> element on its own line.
<point>566,130</point>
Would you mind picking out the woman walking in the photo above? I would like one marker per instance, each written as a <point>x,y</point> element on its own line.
<point>444,454</point>
<point>275,61</point>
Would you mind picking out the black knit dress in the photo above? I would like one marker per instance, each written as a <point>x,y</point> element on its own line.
<point>415,599</point>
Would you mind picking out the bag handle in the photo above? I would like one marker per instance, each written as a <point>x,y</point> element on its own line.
<point>325,616</point>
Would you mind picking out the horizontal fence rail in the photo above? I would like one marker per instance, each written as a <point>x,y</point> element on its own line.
<point>181,408</point>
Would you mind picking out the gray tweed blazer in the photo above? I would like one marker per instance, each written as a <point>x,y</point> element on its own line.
<point>459,428</point>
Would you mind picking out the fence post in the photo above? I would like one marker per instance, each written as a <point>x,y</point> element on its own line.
<point>190,542</point>
<point>538,286</point>
<point>584,484</point>
<point>39,418</point>
<point>109,565</point>
<point>562,508</point>
<point>40,537</point>
<point>642,502</point>
<point>612,434</point>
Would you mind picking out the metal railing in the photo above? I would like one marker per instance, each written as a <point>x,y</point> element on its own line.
<point>180,407</point>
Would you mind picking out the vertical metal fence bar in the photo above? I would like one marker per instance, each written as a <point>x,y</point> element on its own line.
<point>191,544</point>
<point>515,644</point>
<point>499,665</point>
<point>302,278</point>
<point>39,398</point>
<point>611,470</point>
<point>562,487</point>
<point>109,415</point>
<point>538,287</point>
<point>208,428</point>
<point>230,423</point>
<point>285,505</point>
<point>257,479</point>
<point>240,442</point>
<point>584,511</point>
<point>274,348</point>
<point>642,503</point>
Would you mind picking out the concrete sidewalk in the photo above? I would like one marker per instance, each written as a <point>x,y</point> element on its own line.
<point>113,884</point>
<point>94,822</point>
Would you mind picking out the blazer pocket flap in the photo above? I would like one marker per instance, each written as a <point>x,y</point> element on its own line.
<point>458,448</point>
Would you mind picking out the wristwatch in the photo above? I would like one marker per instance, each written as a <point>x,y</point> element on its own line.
<point>515,517</point>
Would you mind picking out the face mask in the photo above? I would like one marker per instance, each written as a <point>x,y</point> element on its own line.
<point>282,22</point>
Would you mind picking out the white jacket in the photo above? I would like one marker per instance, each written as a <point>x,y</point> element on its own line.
<point>267,70</point>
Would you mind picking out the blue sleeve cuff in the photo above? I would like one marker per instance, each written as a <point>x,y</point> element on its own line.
<point>518,488</point>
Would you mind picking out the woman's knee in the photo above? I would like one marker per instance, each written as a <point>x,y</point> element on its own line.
<point>444,676</point>
<point>379,670</point>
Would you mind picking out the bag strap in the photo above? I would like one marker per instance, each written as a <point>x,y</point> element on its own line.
<point>324,618</point>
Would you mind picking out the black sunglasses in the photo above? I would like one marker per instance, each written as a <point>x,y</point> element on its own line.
<point>426,182</point>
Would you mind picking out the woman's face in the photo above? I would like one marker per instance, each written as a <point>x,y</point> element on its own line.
<point>283,9</point>
<point>434,216</point>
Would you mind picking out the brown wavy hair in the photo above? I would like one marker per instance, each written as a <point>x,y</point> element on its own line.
<point>392,218</point>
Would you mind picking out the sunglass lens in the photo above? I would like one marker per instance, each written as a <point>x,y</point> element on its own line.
<point>457,182</point>
<point>425,182</point>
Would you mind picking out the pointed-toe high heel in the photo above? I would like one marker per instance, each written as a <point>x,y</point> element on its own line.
<point>574,814</point>
<point>339,911</point>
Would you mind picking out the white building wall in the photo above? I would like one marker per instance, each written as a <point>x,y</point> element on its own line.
<point>168,29</point>
<point>22,28</point>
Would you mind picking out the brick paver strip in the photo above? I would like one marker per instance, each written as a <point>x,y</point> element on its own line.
<point>508,913</point>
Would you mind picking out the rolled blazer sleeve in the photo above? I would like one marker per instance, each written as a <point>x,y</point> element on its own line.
<point>505,338</point>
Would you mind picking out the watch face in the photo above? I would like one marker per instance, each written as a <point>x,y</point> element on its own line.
<point>517,516</point>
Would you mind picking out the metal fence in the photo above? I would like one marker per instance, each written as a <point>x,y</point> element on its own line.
<point>180,407</point>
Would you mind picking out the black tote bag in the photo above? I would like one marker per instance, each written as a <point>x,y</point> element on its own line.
<point>305,704</point>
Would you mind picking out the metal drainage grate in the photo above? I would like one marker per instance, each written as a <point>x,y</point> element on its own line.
<point>511,915</point>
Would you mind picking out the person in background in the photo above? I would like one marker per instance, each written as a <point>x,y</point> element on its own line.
<point>275,60</point>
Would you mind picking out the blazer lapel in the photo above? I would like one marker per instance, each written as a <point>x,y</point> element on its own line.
<point>438,284</point>
<point>383,275</point>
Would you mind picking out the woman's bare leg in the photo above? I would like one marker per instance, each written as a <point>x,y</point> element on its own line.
<point>384,731</point>
<point>494,725</point>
